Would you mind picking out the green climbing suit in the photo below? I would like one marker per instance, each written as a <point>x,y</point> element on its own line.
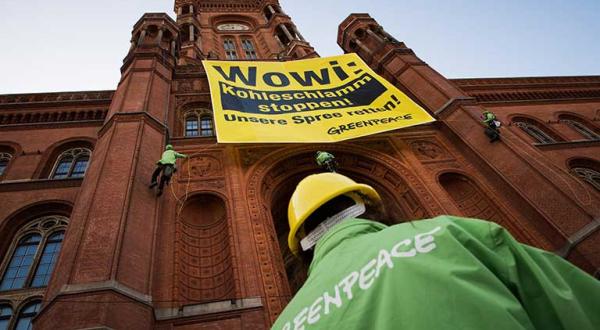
<point>443,273</point>
<point>169,157</point>
<point>323,158</point>
<point>488,117</point>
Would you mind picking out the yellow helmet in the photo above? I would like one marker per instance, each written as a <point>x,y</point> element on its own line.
<point>314,191</point>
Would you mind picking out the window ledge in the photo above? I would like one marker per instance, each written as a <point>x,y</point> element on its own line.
<point>36,184</point>
<point>568,144</point>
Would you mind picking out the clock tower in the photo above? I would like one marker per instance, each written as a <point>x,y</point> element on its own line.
<point>238,30</point>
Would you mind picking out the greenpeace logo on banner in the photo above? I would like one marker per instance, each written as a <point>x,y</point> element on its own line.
<point>316,100</point>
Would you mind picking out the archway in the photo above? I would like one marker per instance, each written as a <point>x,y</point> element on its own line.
<point>400,201</point>
<point>204,265</point>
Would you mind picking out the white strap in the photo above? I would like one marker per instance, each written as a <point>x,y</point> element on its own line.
<point>311,239</point>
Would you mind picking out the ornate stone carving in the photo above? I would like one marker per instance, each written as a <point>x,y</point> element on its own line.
<point>429,151</point>
<point>202,167</point>
<point>57,97</point>
<point>249,156</point>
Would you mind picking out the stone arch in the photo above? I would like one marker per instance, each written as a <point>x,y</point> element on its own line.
<point>203,265</point>
<point>200,109</point>
<point>535,129</point>
<point>475,201</point>
<point>585,169</point>
<point>580,124</point>
<point>273,179</point>
<point>19,218</point>
<point>50,155</point>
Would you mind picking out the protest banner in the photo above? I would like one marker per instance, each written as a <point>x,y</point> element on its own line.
<point>315,100</point>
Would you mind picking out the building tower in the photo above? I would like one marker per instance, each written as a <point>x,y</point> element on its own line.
<point>212,251</point>
<point>238,30</point>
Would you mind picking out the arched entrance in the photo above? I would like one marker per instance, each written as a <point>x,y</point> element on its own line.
<point>273,181</point>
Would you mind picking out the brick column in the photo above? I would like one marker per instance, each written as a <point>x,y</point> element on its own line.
<point>104,276</point>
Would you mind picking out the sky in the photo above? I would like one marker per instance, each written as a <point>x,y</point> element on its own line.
<point>68,45</point>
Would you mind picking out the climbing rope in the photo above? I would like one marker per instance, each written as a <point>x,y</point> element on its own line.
<point>181,202</point>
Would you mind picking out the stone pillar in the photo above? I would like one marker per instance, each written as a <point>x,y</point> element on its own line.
<point>375,35</point>
<point>173,47</point>
<point>104,277</point>
<point>286,31</point>
<point>142,37</point>
<point>159,36</point>
<point>363,47</point>
<point>191,33</point>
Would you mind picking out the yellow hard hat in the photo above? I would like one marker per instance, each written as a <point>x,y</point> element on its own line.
<point>314,191</point>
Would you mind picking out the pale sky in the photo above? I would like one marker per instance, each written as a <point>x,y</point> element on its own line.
<point>64,45</point>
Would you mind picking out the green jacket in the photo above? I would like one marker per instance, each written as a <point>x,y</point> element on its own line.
<point>323,157</point>
<point>443,273</point>
<point>488,117</point>
<point>169,157</point>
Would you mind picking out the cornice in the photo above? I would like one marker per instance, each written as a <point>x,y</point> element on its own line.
<point>26,185</point>
<point>568,144</point>
<point>529,82</point>
<point>55,99</point>
<point>54,125</point>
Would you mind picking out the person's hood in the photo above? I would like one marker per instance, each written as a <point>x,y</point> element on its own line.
<point>340,234</point>
<point>169,147</point>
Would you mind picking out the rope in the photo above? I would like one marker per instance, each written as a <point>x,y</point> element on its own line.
<point>181,202</point>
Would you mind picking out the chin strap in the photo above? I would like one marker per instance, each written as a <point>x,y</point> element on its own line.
<point>311,239</point>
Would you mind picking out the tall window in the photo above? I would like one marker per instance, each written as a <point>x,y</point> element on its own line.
<point>4,160</point>
<point>206,126</point>
<point>27,314</point>
<point>33,254</point>
<point>20,264</point>
<point>71,164</point>
<point>191,125</point>
<point>5,315</point>
<point>580,126</point>
<point>230,52</point>
<point>535,130</point>
<point>249,49</point>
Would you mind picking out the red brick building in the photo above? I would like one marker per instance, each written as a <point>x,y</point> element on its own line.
<point>85,244</point>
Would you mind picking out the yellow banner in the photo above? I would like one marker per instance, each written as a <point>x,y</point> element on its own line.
<point>316,100</point>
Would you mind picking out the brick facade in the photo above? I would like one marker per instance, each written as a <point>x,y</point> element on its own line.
<point>211,252</point>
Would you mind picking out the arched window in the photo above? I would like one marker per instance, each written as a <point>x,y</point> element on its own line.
<point>37,247</point>
<point>198,122</point>
<point>206,126</point>
<point>191,125</point>
<point>27,314</point>
<point>581,126</point>
<point>71,164</point>
<point>535,130</point>
<point>587,170</point>
<point>5,158</point>
<point>5,315</point>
